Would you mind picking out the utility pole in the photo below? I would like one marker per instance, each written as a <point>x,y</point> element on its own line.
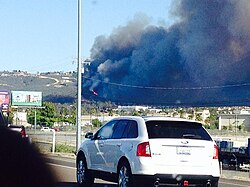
<point>79,81</point>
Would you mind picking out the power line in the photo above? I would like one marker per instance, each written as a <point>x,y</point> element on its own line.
<point>170,88</point>
<point>223,102</point>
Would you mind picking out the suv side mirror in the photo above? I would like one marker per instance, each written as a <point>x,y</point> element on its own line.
<point>89,135</point>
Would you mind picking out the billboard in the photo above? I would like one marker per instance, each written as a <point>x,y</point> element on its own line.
<point>26,98</point>
<point>4,100</point>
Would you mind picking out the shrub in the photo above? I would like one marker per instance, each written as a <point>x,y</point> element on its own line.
<point>63,148</point>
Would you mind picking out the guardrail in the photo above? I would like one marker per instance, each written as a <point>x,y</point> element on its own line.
<point>60,137</point>
<point>47,141</point>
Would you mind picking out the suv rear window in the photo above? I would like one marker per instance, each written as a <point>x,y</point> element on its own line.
<point>176,129</point>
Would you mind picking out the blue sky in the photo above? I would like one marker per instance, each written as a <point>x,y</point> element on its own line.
<point>41,35</point>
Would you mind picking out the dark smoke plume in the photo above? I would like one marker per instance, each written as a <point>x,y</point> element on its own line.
<point>203,59</point>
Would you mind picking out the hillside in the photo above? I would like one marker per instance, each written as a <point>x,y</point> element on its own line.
<point>55,86</point>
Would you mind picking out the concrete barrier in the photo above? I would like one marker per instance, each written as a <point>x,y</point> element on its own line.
<point>43,147</point>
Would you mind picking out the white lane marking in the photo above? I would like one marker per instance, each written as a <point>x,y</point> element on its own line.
<point>240,185</point>
<point>57,165</point>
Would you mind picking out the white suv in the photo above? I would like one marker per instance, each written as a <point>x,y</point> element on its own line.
<point>153,151</point>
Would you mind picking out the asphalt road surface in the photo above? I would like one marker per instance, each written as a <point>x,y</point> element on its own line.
<point>66,175</point>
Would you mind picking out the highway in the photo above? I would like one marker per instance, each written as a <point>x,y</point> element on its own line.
<point>64,169</point>
<point>65,172</point>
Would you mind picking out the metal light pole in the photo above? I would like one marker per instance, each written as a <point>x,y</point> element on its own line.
<point>79,81</point>
<point>35,121</point>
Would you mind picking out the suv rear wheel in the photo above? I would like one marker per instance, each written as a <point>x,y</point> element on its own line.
<point>124,175</point>
<point>84,178</point>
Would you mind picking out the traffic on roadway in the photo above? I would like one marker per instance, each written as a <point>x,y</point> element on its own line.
<point>65,168</point>
<point>150,150</point>
<point>164,84</point>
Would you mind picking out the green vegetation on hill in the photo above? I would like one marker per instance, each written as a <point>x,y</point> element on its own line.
<point>55,87</point>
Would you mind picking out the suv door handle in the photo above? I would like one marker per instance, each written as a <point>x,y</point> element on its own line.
<point>101,143</point>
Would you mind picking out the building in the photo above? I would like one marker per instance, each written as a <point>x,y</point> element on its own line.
<point>20,118</point>
<point>234,121</point>
<point>131,108</point>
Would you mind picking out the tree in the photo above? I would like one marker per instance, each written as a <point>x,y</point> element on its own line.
<point>44,116</point>
<point>207,121</point>
<point>110,112</point>
<point>198,117</point>
<point>224,128</point>
<point>213,118</point>
<point>10,118</point>
<point>241,127</point>
<point>175,114</point>
<point>135,113</point>
<point>96,122</point>
<point>49,110</point>
<point>182,113</point>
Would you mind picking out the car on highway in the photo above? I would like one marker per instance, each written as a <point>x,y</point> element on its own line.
<point>46,129</point>
<point>154,151</point>
<point>20,129</point>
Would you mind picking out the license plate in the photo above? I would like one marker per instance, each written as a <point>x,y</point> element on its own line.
<point>183,151</point>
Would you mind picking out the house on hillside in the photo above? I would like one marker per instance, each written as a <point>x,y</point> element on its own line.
<point>131,108</point>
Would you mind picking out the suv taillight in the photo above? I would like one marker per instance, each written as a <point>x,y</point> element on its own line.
<point>216,152</point>
<point>22,132</point>
<point>143,149</point>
